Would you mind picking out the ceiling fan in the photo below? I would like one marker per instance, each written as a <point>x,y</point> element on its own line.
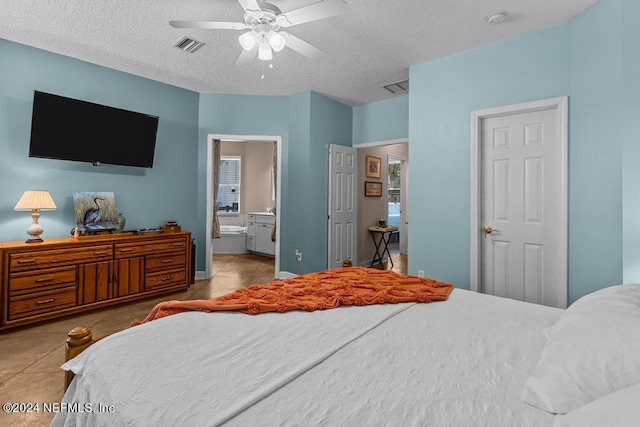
<point>264,22</point>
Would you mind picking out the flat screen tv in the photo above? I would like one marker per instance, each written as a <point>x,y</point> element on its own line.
<point>71,129</point>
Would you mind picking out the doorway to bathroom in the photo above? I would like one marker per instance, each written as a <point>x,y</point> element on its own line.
<point>245,193</point>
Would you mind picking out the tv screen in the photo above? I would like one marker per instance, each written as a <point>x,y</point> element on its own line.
<point>71,129</point>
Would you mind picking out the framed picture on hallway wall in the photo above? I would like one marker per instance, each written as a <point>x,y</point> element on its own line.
<point>373,166</point>
<point>372,189</point>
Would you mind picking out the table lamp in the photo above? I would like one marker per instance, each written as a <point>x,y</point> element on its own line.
<point>35,201</point>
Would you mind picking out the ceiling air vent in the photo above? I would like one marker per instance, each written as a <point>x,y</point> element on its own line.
<point>188,45</point>
<point>398,88</point>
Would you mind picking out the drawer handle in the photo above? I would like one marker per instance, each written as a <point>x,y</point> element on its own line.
<point>100,252</point>
<point>126,249</point>
<point>45,301</point>
<point>26,260</point>
<point>44,279</point>
<point>177,244</point>
<point>165,278</point>
<point>165,261</point>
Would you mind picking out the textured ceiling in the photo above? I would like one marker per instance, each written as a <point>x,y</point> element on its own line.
<point>373,44</point>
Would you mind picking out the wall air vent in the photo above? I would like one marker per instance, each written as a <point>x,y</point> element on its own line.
<point>398,88</point>
<point>188,45</point>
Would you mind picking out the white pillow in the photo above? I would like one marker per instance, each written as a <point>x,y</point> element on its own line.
<point>619,409</point>
<point>593,350</point>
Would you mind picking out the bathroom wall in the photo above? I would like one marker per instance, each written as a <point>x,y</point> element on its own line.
<point>256,193</point>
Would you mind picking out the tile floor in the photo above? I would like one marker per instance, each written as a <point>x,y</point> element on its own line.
<point>30,357</point>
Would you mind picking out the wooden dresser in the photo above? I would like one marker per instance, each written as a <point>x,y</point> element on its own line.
<point>64,276</point>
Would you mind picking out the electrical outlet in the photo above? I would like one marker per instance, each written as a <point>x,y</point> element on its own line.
<point>420,273</point>
<point>298,254</point>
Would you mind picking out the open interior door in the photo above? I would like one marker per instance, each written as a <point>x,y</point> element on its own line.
<point>342,215</point>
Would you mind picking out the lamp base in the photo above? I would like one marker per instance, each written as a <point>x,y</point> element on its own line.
<point>34,229</point>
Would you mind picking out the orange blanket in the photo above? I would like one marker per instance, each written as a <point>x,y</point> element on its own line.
<point>316,291</point>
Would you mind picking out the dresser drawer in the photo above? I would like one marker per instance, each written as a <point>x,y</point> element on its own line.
<point>160,280</point>
<point>41,302</point>
<point>22,261</point>
<point>126,250</point>
<point>42,280</point>
<point>164,262</point>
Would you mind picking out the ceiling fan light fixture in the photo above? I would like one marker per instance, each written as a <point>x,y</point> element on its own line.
<point>248,40</point>
<point>276,41</point>
<point>264,50</point>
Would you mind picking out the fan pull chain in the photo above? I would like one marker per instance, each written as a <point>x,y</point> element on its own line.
<point>270,66</point>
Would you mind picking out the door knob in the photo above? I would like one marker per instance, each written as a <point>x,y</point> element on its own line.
<point>488,230</point>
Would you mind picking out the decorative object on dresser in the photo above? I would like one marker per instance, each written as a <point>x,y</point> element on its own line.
<point>35,201</point>
<point>95,211</point>
<point>66,276</point>
<point>170,226</point>
<point>121,222</point>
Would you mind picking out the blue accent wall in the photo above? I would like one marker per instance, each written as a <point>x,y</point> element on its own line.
<point>331,123</point>
<point>595,150</point>
<point>147,197</point>
<point>295,226</point>
<point>175,188</point>
<point>237,115</point>
<point>443,94</point>
<point>593,60</point>
<point>381,121</point>
<point>629,115</point>
<point>307,122</point>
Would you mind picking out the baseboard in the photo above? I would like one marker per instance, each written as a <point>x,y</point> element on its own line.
<point>367,263</point>
<point>286,275</point>
<point>200,275</point>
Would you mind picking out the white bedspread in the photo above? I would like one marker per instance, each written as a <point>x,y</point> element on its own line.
<point>457,363</point>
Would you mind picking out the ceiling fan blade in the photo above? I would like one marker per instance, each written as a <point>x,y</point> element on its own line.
<point>209,25</point>
<point>247,56</point>
<point>302,47</point>
<point>313,12</point>
<point>250,5</point>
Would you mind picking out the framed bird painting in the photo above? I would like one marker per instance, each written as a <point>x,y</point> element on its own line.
<point>95,211</point>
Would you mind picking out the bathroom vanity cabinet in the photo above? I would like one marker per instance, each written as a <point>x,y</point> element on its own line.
<point>259,228</point>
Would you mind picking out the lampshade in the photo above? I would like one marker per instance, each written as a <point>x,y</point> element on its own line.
<point>35,200</point>
<point>264,50</point>
<point>276,41</point>
<point>248,40</point>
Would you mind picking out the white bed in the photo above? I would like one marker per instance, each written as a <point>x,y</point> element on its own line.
<point>462,362</point>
